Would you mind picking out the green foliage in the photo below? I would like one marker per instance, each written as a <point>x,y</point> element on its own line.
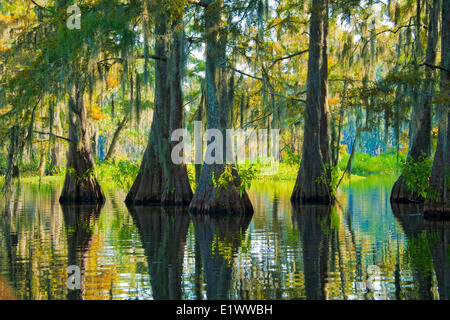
<point>364,164</point>
<point>285,172</point>
<point>417,174</point>
<point>247,174</point>
<point>330,177</point>
<point>122,173</point>
<point>191,176</point>
<point>291,158</point>
<point>224,180</point>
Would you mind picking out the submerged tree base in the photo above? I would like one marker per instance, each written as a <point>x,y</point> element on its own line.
<point>402,194</point>
<point>147,188</point>
<point>311,193</point>
<point>88,191</point>
<point>150,187</point>
<point>221,199</point>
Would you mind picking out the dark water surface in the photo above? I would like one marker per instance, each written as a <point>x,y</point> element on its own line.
<point>361,248</point>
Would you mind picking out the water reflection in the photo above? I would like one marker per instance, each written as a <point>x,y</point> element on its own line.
<point>314,226</point>
<point>439,232</point>
<point>163,234</point>
<point>219,238</point>
<point>80,221</point>
<point>305,252</point>
<point>428,249</point>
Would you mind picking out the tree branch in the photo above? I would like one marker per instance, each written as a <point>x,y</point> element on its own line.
<point>199,3</point>
<point>434,67</point>
<point>39,6</point>
<point>289,56</point>
<point>263,80</point>
<point>57,136</point>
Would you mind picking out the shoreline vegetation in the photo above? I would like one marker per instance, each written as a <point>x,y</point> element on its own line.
<point>122,173</point>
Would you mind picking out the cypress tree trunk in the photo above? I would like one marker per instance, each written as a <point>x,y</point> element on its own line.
<point>421,117</point>
<point>438,198</point>
<point>177,188</point>
<point>159,181</point>
<point>308,188</point>
<point>80,185</point>
<point>325,110</point>
<point>208,198</point>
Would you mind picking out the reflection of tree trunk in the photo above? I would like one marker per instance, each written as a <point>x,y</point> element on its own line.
<point>438,202</point>
<point>80,221</point>
<point>6,292</point>
<point>163,234</point>
<point>80,185</point>
<point>412,223</point>
<point>207,197</point>
<point>421,114</point>
<point>314,226</point>
<point>219,237</point>
<point>308,187</point>
<point>440,250</point>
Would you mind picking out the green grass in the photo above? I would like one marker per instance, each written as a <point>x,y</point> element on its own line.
<point>123,173</point>
<point>34,180</point>
<point>363,164</point>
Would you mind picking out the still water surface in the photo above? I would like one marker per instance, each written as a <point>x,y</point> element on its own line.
<point>360,248</point>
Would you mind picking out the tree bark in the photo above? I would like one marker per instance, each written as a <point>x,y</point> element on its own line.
<point>177,188</point>
<point>438,198</point>
<point>308,188</point>
<point>159,181</point>
<point>80,185</point>
<point>421,117</point>
<point>325,110</point>
<point>208,198</point>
